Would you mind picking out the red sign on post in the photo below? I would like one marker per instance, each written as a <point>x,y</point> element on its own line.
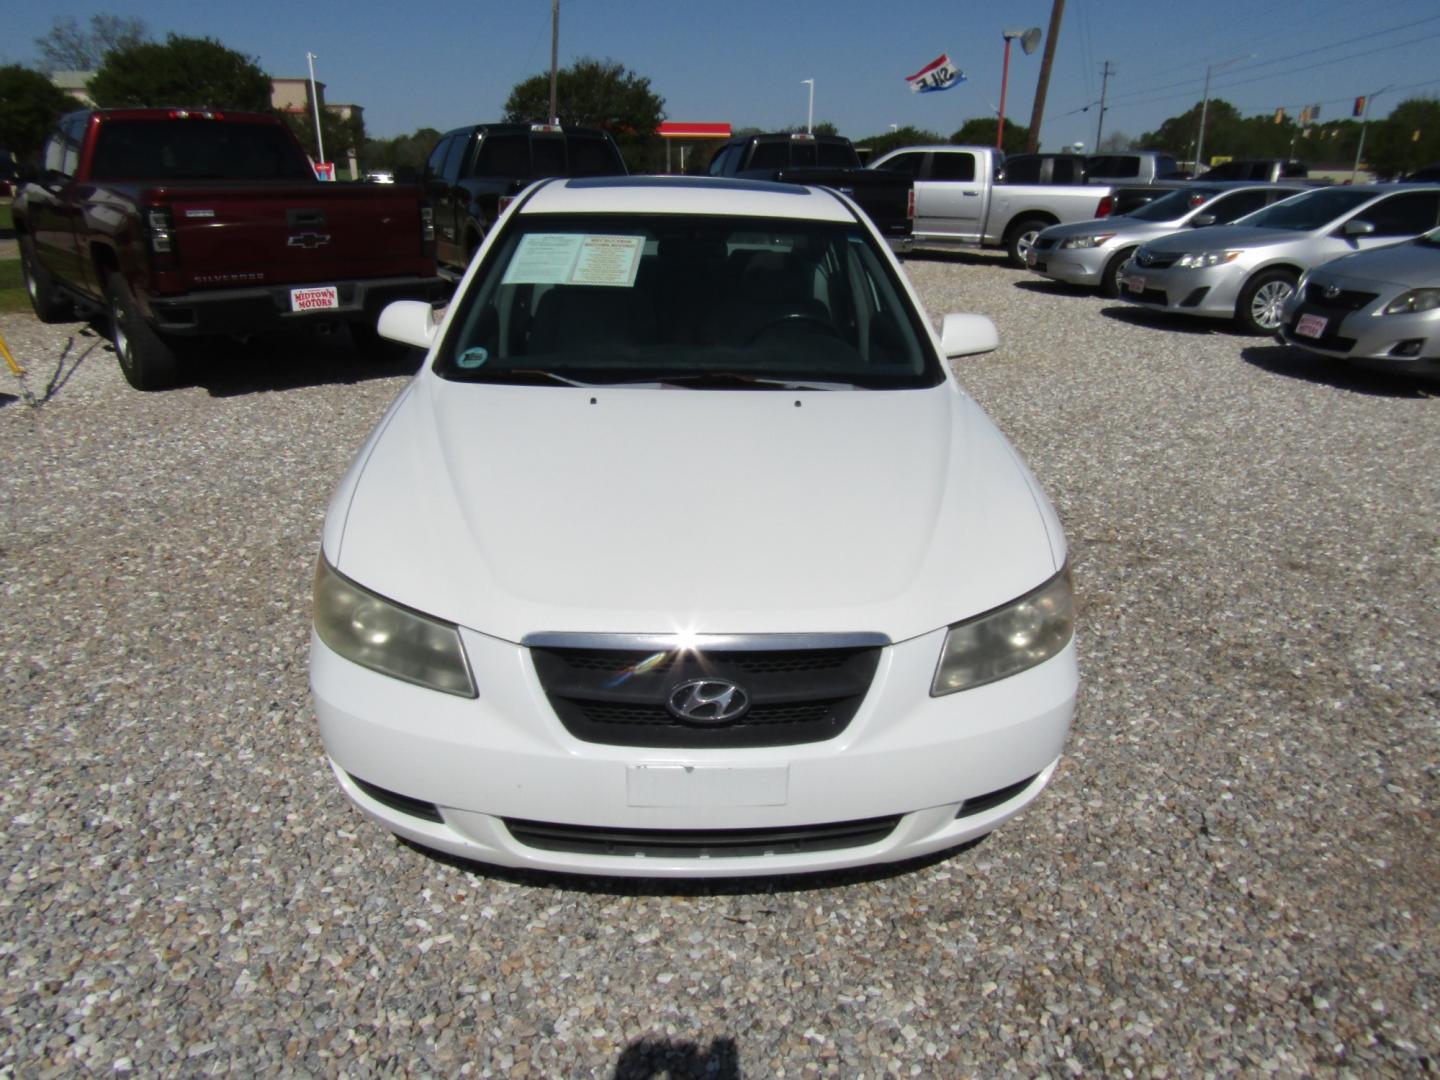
<point>325,170</point>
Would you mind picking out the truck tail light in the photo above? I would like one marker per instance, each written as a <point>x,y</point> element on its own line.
<point>427,229</point>
<point>505,200</point>
<point>1106,205</point>
<point>160,237</point>
<point>910,205</point>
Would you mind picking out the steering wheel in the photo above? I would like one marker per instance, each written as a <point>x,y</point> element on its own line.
<point>794,318</point>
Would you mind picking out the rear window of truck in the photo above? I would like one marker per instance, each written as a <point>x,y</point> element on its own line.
<point>191,149</point>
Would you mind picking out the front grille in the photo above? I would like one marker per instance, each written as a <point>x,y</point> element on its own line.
<point>1346,300</point>
<point>1155,261</point>
<point>618,696</point>
<point>1150,296</point>
<point>700,843</point>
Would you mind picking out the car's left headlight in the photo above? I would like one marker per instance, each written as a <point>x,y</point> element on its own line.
<point>1006,641</point>
<point>383,636</point>
<point>1198,260</point>
<point>1091,241</point>
<point>1413,301</point>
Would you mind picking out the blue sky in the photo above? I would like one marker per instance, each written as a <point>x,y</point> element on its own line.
<point>442,64</point>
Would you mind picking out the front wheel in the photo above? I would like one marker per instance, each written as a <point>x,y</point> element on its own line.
<point>49,304</point>
<point>1110,276</point>
<point>1261,300</point>
<point>147,360</point>
<point>1021,238</point>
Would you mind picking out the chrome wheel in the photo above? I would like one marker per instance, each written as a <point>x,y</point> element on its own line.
<point>1266,303</point>
<point>118,337</point>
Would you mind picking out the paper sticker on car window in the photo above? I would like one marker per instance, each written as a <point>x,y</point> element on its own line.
<point>575,259</point>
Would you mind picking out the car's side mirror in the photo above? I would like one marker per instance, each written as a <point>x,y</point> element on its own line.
<point>410,322</point>
<point>1356,227</point>
<point>1200,221</point>
<point>968,335</point>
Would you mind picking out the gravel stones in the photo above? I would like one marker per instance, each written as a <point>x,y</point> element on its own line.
<point>1234,870</point>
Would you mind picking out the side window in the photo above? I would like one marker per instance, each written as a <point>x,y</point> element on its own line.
<point>952,167</point>
<point>837,155</point>
<point>504,155</point>
<point>435,162</point>
<point>1165,165</point>
<point>908,164</point>
<point>724,160</point>
<point>769,155</point>
<point>1022,171</point>
<point>55,154</point>
<point>1403,215</point>
<point>1237,204</point>
<point>1066,170</point>
<point>453,158</point>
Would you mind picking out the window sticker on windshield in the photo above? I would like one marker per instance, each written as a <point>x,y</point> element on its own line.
<point>575,259</point>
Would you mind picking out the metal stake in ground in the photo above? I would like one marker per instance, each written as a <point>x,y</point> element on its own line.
<point>18,372</point>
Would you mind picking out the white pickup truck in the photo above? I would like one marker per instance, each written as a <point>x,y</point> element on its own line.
<point>959,203</point>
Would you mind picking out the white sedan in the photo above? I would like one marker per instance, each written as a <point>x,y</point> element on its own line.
<point>685,555</point>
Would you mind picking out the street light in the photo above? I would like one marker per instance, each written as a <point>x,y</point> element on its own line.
<point>810,116</point>
<point>1028,40</point>
<point>310,58</point>
<point>1205,102</point>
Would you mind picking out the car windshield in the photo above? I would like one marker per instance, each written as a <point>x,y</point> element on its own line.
<point>1307,211</point>
<point>1172,206</point>
<point>696,301</point>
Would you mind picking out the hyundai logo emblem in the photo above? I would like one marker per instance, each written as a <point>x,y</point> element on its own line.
<point>308,240</point>
<point>708,701</point>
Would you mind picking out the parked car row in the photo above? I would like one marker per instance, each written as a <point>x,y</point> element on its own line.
<point>1350,272</point>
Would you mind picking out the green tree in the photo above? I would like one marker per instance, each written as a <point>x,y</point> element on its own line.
<point>879,145</point>
<point>1406,139</point>
<point>68,47</point>
<point>403,152</point>
<point>190,71</point>
<point>981,132</point>
<point>343,137</point>
<point>29,106</point>
<point>602,94</point>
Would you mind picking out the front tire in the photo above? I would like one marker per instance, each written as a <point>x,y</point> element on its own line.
<point>49,304</point>
<point>147,360</point>
<point>1258,309</point>
<point>1110,276</point>
<point>1021,238</point>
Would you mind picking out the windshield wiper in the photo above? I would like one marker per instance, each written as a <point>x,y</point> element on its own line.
<point>724,379</point>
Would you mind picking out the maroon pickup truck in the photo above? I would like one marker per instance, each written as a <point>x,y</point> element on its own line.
<point>183,224</point>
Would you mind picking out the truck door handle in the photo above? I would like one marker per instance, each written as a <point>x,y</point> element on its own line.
<point>970,194</point>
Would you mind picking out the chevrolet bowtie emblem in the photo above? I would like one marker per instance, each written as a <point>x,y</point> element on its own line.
<point>308,240</point>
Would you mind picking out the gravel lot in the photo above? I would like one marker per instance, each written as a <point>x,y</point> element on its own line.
<point>1234,871</point>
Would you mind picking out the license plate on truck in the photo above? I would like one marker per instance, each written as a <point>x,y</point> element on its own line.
<point>319,298</point>
<point>1311,326</point>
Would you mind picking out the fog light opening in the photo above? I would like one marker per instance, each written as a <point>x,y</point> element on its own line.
<point>1410,347</point>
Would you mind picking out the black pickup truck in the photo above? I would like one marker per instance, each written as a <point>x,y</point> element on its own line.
<point>826,161</point>
<point>474,172</point>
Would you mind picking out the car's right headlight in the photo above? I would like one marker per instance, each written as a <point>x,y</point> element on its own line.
<point>384,636</point>
<point>1006,641</point>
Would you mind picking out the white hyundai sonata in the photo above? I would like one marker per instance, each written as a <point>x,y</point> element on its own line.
<point>684,555</point>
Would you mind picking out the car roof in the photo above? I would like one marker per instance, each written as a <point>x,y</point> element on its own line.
<point>698,195</point>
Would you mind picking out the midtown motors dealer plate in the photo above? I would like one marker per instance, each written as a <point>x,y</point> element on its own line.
<point>320,298</point>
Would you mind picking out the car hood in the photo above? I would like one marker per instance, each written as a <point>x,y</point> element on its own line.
<point>1120,226</point>
<point>1218,237</point>
<point>1404,265</point>
<point>516,510</point>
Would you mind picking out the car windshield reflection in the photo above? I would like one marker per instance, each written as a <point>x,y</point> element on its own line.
<point>689,302</point>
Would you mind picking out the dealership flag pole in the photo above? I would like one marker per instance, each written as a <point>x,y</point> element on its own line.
<point>315,101</point>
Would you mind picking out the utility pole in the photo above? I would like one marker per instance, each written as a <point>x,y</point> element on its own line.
<point>554,55</point>
<point>310,58</point>
<point>1365,119</point>
<point>1104,83</point>
<point>1205,104</point>
<point>1057,12</point>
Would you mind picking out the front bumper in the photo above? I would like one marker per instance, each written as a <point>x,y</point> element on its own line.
<point>1074,266</point>
<point>265,308</point>
<point>1210,292</point>
<point>1365,336</point>
<point>466,776</point>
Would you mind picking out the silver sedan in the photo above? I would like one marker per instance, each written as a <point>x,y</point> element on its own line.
<point>1092,252</point>
<point>1248,270</point>
<point>1379,309</point>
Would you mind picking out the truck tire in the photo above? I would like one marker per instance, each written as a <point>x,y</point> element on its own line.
<point>1257,311</point>
<point>147,360</point>
<point>1110,276</point>
<point>49,304</point>
<point>1021,238</point>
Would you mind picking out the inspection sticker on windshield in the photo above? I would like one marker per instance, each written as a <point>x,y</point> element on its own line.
<point>575,259</point>
<point>1311,325</point>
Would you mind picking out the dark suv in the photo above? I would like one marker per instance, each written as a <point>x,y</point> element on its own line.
<point>474,172</point>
